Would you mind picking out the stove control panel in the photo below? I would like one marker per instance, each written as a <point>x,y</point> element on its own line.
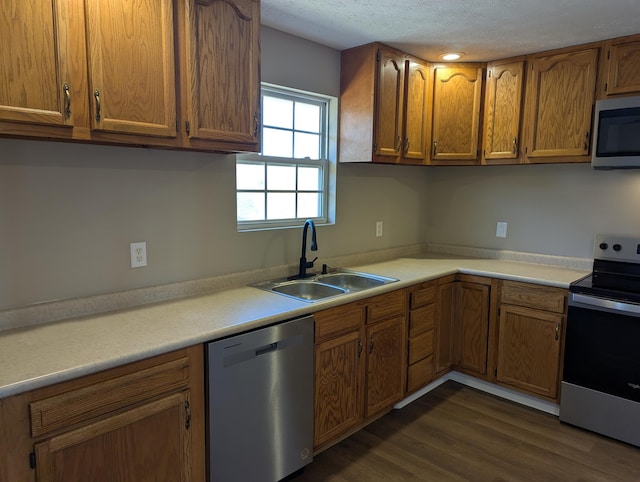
<point>617,248</point>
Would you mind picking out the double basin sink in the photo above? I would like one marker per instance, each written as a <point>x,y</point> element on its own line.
<point>325,285</point>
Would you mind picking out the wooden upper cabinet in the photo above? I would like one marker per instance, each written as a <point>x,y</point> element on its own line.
<point>560,97</point>
<point>383,106</point>
<point>389,101</point>
<point>416,112</point>
<point>131,67</point>
<point>502,113</point>
<point>221,65</point>
<point>456,114</point>
<point>42,65</point>
<point>621,67</point>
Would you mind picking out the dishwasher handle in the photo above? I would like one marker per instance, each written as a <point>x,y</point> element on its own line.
<point>267,349</point>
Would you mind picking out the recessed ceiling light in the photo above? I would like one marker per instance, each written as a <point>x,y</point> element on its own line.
<point>452,56</point>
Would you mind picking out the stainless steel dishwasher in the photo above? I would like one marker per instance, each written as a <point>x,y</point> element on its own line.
<point>260,403</point>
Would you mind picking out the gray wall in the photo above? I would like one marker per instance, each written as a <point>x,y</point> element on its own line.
<point>69,211</point>
<point>550,209</point>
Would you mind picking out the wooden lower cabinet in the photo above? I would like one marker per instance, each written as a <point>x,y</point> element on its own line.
<point>471,343</point>
<point>143,421</point>
<point>360,364</point>
<point>444,325</point>
<point>531,327</point>
<point>422,315</point>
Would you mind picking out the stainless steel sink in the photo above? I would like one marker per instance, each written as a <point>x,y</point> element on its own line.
<point>308,290</point>
<point>320,286</point>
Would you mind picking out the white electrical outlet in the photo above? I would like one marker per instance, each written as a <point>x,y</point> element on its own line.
<point>501,229</point>
<point>138,254</point>
<point>378,229</point>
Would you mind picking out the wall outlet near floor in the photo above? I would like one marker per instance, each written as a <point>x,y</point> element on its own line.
<point>138,254</point>
<point>378,229</point>
<point>501,229</point>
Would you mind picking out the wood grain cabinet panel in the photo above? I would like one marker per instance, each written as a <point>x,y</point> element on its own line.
<point>529,349</point>
<point>473,324</point>
<point>502,112</point>
<point>621,67</point>
<point>444,327</point>
<point>221,67</point>
<point>131,57</point>
<point>560,98</point>
<point>456,114</point>
<point>389,100</point>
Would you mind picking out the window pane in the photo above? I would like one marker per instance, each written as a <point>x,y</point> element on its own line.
<point>250,206</point>
<point>249,176</point>
<point>277,112</point>
<point>307,145</point>
<point>281,205</point>
<point>276,142</point>
<point>307,117</point>
<point>309,178</point>
<point>309,205</point>
<point>280,178</point>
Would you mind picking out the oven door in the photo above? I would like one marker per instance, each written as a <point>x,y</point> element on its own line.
<point>601,377</point>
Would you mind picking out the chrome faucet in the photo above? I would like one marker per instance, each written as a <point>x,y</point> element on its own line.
<point>304,264</point>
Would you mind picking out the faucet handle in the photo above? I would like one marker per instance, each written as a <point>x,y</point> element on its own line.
<point>310,263</point>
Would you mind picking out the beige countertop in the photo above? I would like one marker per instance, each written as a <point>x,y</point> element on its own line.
<point>36,356</point>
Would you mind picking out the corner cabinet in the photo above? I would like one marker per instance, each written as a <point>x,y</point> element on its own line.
<point>383,106</point>
<point>221,74</point>
<point>142,421</point>
<point>503,112</point>
<point>360,364</point>
<point>531,332</point>
<point>560,98</point>
<point>457,95</point>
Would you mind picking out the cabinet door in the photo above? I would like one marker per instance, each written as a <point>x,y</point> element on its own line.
<point>623,76</point>
<point>388,118</point>
<point>456,113</point>
<point>339,387</point>
<point>561,92</point>
<point>414,144</point>
<point>131,67</point>
<point>386,364</point>
<point>34,73</point>
<point>471,348</point>
<point>445,316</point>
<point>529,349</point>
<point>223,72</point>
<point>148,443</point>
<point>502,111</point>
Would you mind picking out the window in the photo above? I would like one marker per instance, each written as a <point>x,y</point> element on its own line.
<point>293,178</point>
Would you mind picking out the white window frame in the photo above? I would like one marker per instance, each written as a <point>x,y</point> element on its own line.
<point>327,164</point>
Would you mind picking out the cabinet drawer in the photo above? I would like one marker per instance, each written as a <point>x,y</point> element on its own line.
<point>386,306</point>
<point>338,321</point>
<point>421,295</point>
<point>534,296</point>
<point>422,319</point>
<point>419,374</point>
<point>420,346</point>
<point>85,403</point>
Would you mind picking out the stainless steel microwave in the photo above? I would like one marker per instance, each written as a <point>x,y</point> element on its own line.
<point>616,129</point>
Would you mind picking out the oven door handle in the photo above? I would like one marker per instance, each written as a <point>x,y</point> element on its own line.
<point>603,304</point>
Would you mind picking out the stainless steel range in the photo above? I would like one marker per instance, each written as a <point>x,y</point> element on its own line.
<point>601,378</point>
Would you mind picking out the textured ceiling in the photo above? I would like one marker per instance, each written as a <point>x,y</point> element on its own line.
<point>483,29</point>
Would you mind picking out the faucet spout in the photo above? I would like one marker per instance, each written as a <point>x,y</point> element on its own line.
<point>304,264</point>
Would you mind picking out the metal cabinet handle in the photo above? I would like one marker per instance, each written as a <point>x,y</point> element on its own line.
<point>398,145</point>
<point>557,331</point>
<point>187,410</point>
<point>515,145</point>
<point>96,94</point>
<point>359,347</point>
<point>371,344</point>
<point>435,147</point>
<point>586,141</point>
<point>407,143</point>
<point>256,124</point>
<point>67,100</point>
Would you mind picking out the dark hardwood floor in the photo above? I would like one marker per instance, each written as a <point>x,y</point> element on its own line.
<point>458,433</point>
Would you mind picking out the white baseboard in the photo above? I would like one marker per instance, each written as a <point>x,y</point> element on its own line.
<point>499,391</point>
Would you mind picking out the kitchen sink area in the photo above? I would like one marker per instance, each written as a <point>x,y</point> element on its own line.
<point>320,286</point>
